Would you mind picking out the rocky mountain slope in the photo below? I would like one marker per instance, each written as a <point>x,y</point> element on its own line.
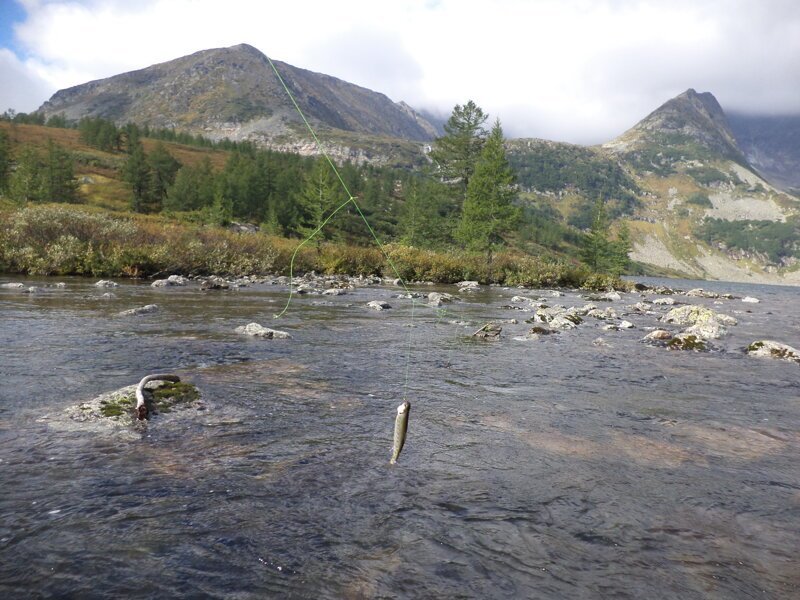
<point>704,210</point>
<point>772,145</point>
<point>234,93</point>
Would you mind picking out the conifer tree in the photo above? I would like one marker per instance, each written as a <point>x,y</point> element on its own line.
<point>59,180</point>
<point>163,167</point>
<point>456,153</point>
<point>5,160</point>
<point>315,199</point>
<point>422,222</point>
<point>596,248</point>
<point>137,174</point>
<point>26,183</point>
<point>489,213</point>
<point>620,249</point>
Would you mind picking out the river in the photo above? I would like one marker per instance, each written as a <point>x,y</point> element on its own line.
<point>561,467</point>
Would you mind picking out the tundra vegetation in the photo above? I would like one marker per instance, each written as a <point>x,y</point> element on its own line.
<point>145,201</point>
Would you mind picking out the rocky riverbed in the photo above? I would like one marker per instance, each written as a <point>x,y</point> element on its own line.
<point>572,451</point>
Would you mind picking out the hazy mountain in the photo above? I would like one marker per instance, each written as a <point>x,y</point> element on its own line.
<point>233,92</point>
<point>690,121</point>
<point>771,144</point>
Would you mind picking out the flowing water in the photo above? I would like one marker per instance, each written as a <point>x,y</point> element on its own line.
<point>550,468</point>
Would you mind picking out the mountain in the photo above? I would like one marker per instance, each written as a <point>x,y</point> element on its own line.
<point>691,122</point>
<point>772,145</point>
<point>704,210</point>
<point>234,93</point>
<point>694,205</point>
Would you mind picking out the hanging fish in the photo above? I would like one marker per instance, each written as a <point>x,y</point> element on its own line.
<point>400,429</point>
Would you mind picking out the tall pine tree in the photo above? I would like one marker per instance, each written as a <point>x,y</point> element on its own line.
<point>456,153</point>
<point>489,213</point>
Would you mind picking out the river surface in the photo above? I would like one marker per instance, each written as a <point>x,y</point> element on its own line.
<point>551,468</point>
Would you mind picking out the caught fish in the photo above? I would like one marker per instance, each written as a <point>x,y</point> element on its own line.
<point>400,429</point>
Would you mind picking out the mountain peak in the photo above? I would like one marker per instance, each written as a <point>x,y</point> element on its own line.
<point>690,117</point>
<point>233,92</point>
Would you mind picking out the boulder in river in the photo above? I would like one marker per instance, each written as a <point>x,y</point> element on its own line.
<point>664,301</point>
<point>658,335</point>
<point>771,349</point>
<point>468,286</point>
<point>687,341</point>
<point>256,330</point>
<point>104,283</point>
<point>141,310</point>
<point>701,293</point>
<point>437,298</point>
<point>378,305</point>
<point>172,280</point>
<point>709,330</point>
<point>214,283</point>
<point>115,412</point>
<point>751,300</point>
<point>490,331</point>
<point>692,315</point>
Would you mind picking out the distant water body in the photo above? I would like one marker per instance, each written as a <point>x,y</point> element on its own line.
<point>563,467</point>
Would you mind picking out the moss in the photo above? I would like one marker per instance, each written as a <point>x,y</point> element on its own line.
<point>573,318</point>
<point>118,406</point>
<point>755,346</point>
<point>687,342</point>
<point>171,394</point>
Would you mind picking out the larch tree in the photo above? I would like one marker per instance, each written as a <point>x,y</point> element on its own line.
<point>456,153</point>
<point>489,213</point>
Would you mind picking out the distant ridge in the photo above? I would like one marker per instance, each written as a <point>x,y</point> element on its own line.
<point>689,117</point>
<point>232,92</point>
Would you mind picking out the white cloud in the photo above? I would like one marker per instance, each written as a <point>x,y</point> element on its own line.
<point>572,70</point>
<point>22,89</point>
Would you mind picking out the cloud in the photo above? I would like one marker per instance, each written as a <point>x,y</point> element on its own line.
<point>572,70</point>
<point>22,89</point>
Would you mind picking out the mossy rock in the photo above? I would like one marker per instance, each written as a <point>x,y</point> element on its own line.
<point>161,397</point>
<point>688,342</point>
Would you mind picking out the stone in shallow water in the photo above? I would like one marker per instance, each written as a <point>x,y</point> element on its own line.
<point>256,330</point>
<point>141,310</point>
<point>378,305</point>
<point>13,285</point>
<point>104,283</point>
<point>771,349</point>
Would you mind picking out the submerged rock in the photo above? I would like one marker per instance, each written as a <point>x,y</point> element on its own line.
<point>658,335</point>
<point>701,293</point>
<point>178,280</point>
<point>771,349</point>
<point>141,310</point>
<point>115,412</point>
<point>378,305</point>
<point>693,315</point>
<point>256,330</point>
<point>710,330</point>
<point>104,283</point>
<point>565,321</point>
<point>490,331</point>
<point>214,283</point>
<point>687,341</point>
<point>437,298</point>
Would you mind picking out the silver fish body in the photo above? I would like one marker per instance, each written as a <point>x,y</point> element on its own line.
<point>400,429</point>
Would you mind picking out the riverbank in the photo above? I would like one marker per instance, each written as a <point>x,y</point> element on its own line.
<point>68,240</point>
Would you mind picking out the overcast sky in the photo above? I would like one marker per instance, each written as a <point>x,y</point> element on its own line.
<point>569,70</point>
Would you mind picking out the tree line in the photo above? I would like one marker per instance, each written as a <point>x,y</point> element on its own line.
<point>466,197</point>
